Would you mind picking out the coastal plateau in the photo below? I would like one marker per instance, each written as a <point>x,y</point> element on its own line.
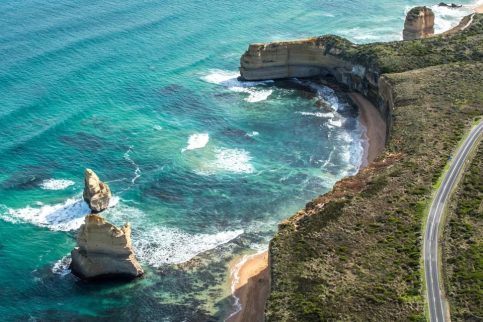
<point>354,254</point>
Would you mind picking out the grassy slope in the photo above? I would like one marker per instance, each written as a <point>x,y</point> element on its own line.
<point>463,245</point>
<point>355,254</point>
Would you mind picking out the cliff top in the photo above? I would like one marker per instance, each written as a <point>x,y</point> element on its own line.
<point>354,254</point>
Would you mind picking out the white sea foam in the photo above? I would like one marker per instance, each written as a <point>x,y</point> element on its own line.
<point>324,93</point>
<point>158,246</point>
<point>371,34</point>
<point>227,160</point>
<point>153,245</point>
<point>253,133</point>
<point>318,114</point>
<point>230,81</point>
<point>335,122</point>
<point>158,127</point>
<point>233,160</point>
<point>235,279</point>
<point>447,18</point>
<point>137,170</point>
<point>197,141</point>
<point>254,94</point>
<point>56,184</point>
<point>65,216</point>
<point>61,267</point>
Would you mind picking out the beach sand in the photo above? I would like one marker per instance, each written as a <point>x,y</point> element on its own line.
<point>250,275</point>
<point>479,9</point>
<point>375,134</point>
<point>251,287</point>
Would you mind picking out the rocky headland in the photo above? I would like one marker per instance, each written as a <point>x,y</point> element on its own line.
<point>354,254</point>
<point>103,250</point>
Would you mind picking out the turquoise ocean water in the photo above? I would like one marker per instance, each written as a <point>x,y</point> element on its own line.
<point>203,166</point>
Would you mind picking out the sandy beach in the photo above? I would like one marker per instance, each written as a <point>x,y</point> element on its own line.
<point>249,275</point>
<point>479,9</point>
<point>375,128</point>
<point>250,281</point>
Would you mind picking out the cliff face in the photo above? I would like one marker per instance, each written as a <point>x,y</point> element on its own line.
<point>360,67</point>
<point>291,59</point>
<point>327,56</point>
<point>103,250</point>
<point>354,253</point>
<point>419,23</point>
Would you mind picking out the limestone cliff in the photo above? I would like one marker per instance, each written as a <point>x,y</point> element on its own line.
<point>359,67</point>
<point>103,250</point>
<point>354,253</point>
<point>326,56</point>
<point>96,193</point>
<point>419,23</point>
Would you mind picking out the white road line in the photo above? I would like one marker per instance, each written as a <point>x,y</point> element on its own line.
<point>434,219</point>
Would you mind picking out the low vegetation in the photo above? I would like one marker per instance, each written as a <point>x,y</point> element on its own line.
<point>354,254</point>
<point>463,245</point>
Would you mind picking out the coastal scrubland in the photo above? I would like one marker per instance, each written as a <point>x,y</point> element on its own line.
<point>355,254</point>
<point>463,245</point>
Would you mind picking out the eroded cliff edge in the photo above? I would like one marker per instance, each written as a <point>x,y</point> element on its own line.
<point>354,253</point>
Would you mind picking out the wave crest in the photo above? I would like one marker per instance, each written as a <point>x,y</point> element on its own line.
<point>56,184</point>
<point>230,81</point>
<point>197,141</point>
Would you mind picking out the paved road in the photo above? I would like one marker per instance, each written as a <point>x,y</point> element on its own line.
<point>437,304</point>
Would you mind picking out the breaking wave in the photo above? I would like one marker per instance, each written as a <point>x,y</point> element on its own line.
<point>197,141</point>
<point>158,246</point>
<point>65,216</point>
<point>227,160</point>
<point>56,184</point>
<point>153,245</point>
<point>447,18</point>
<point>61,267</point>
<point>230,81</point>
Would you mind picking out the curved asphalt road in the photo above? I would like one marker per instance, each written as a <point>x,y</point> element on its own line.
<point>437,305</point>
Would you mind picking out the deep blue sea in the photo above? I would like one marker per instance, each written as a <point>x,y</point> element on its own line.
<point>202,165</point>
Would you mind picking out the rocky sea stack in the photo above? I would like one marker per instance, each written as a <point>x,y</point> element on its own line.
<point>103,250</point>
<point>419,23</point>
<point>96,193</point>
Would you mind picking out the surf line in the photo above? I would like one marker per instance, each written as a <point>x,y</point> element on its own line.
<point>137,170</point>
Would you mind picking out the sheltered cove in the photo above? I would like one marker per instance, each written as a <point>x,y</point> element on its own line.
<point>362,239</point>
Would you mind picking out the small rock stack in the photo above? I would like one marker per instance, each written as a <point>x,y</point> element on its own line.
<point>96,193</point>
<point>419,23</point>
<point>103,250</point>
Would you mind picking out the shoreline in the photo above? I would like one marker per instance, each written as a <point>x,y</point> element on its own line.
<point>479,9</point>
<point>374,135</point>
<point>250,286</point>
<point>249,274</point>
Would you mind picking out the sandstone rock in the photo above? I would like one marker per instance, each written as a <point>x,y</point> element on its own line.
<point>285,59</point>
<point>96,193</point>
<point>419,23</point>
<point>104,251</point>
